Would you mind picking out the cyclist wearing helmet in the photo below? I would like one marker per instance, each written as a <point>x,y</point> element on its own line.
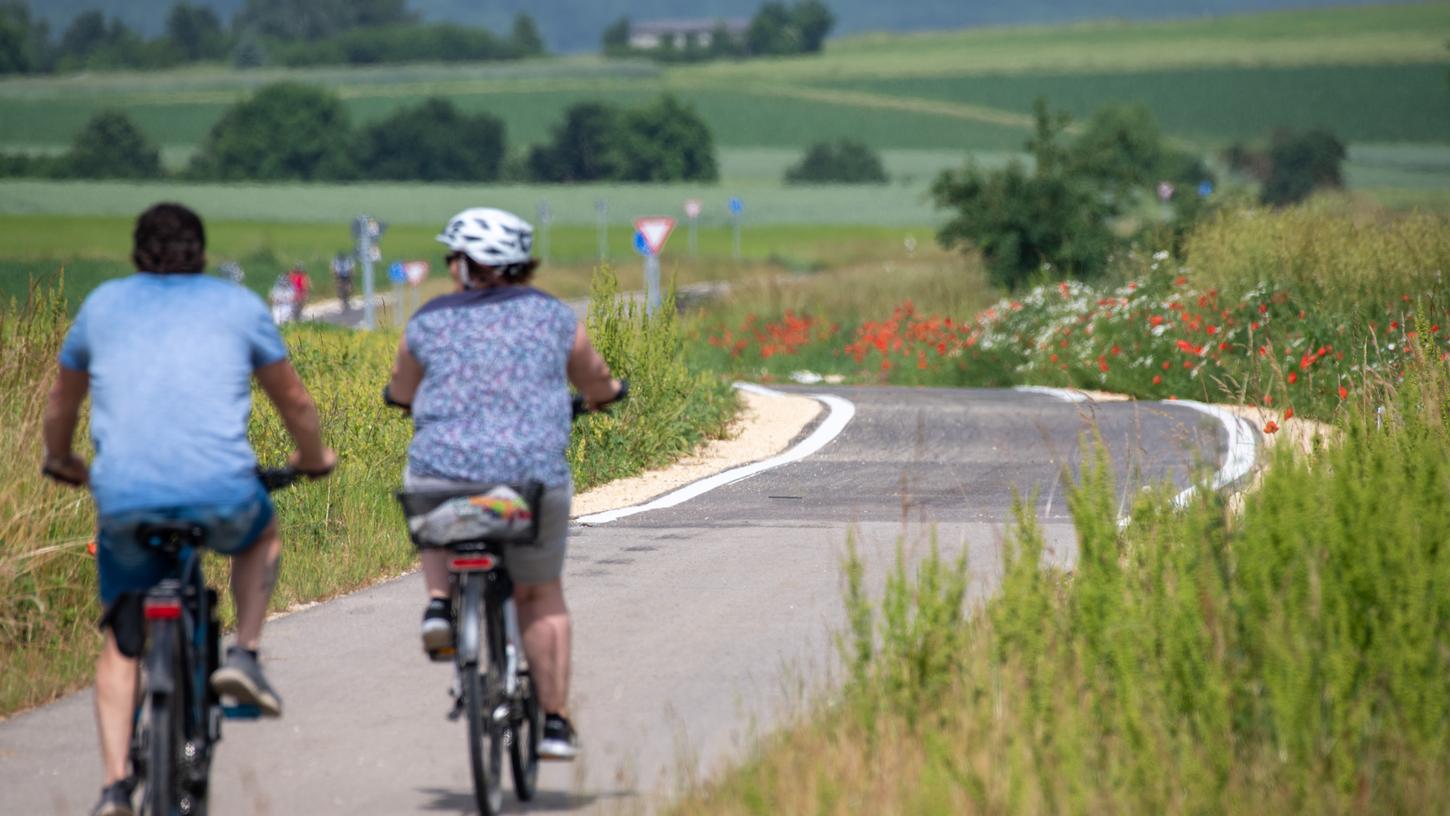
<point>486,371</point>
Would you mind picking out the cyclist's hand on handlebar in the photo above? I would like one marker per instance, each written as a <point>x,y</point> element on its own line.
<point>315,468</point>
<point>620,389</point>
<point>68,469</point>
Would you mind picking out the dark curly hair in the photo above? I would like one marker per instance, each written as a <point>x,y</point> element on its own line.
<point>169,240</point>
<point>519,273</point>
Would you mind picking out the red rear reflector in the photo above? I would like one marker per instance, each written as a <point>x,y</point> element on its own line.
<point>163,610</point>
<point>477,563</point>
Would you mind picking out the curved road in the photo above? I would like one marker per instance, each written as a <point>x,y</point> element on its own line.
<point>696,626</point>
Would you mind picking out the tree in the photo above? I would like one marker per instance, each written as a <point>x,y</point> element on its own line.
<point>111,146</point>
<point>814,20</point>
<point>285,131</point>
<point>525,37</point>
<point>195,32</point>
<point>616,37</point>
<point>431,142</point>
<point>843,162</point>
<point>18,39</point>
<point>1027,223</point>
<point>668,141</point>
<point>313,20</point>
<point>772,31</point>
<point>587,146</point>
<point>1299,164</point>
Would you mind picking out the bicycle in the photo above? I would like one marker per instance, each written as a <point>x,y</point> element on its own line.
<point>492,684</point>
<point>177,721</point>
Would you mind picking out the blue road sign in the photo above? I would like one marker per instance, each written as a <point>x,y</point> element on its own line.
<point>1205,189</point>
<point>640,244</point>
<point>736,205</point>
<point>396,272</point>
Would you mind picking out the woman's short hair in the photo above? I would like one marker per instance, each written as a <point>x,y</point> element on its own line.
<point>169,240</point>
<point>509,273</point>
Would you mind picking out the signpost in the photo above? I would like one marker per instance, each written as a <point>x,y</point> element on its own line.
<point>414,272</point>
<point>651,233</point>
<point>366,230</point>
<point>737,208</point>
<point>692,211</point>
<point>601,217</point>
<point>545,217</point>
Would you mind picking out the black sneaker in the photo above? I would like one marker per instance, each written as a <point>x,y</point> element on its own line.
<point>241,678</point>
<point>438,628</point>
<point>115,801</point>
<point>559,742</point>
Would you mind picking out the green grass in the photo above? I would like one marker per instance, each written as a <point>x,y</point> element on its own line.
<point>1290,658</point>
<point>1218,105</point>
<point>341,533</point>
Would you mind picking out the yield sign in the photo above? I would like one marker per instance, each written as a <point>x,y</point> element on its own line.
<point>656,230</point>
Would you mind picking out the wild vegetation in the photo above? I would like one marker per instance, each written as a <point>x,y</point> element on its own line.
<point>1291,656</point>
<point>341,533</point>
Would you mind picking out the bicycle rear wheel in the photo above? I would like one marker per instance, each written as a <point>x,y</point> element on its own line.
<point>164,722</point>
<point>485,736</point>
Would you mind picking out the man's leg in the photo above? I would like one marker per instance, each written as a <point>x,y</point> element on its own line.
<point>115,705</point>
<point>254,576</point>
<point>544,619</point>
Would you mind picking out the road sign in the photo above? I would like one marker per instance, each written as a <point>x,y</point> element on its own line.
<point>415,271</point>
<point>656,230</point>
<point>736,205</point>
<point>396,273</point>
<point>692,207</point>
<point>641,245</point>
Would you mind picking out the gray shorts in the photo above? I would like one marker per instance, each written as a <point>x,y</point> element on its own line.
<point>541,562</point>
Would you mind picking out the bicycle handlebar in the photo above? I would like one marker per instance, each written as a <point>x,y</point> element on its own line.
<point>57,476</point>
<point>578,408</point>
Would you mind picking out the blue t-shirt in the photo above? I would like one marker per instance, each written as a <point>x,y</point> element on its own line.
<point>494,402</point>
<point>170,359</point>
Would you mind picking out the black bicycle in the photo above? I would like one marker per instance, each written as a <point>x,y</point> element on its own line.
<point>492,686</point>
<point>178,715</point>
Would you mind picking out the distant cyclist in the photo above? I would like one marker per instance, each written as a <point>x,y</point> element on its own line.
<point>487,370</point>
<point>167,356</point>
<point>301,288</point>
<point>342,267</point>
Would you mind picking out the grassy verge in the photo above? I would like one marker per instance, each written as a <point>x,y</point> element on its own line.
<point>1297,310</point>
<point>1292,658</point>
<point>341,533</point>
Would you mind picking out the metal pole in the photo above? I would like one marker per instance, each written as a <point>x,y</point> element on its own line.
<point>601,215</point>
<point>735,220</point>
<point>652,283</point>
<point>694,245</point>
<point>365,257</point>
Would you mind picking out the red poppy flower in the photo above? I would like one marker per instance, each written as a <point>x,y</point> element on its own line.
<point>1157,379</point>
<point>1343,392</point>
<point>1288,413</point>
<point>1293,377</point>
<point>1271,427</point>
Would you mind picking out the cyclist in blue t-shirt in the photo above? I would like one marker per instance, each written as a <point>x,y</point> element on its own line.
<point>167,356</point>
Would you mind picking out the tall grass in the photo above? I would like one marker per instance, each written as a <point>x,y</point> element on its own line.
<point>1294,658</point>
<point>340,533</point>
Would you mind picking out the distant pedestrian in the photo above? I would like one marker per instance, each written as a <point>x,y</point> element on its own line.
<point>280,297</point>
<point>342,267</point>
<point>301,286</point>
<point>232,271</point>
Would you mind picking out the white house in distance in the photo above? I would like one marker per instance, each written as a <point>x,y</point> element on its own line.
<point>651,33</point>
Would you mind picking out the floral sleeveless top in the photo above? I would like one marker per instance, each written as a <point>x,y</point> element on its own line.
<point>494,402</point>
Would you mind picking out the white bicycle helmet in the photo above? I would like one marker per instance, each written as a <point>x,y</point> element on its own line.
<point>490,237</point>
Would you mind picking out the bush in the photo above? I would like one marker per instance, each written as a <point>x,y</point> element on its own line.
<point>431,142</point>
<point>1299,164</point>
<point>842,162</point>
<point>666,141</point>
<point>284,131</point>
<point>111,146</point>
<point>433,42</point>
<point>778,30</point>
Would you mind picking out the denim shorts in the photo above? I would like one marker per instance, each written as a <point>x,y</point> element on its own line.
<point>127,565</point>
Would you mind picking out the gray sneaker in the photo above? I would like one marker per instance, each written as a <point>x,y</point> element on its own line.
<point>115,801</point>
<point>241,678</point>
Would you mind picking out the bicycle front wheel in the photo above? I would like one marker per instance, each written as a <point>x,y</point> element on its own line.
<point>485,743</point>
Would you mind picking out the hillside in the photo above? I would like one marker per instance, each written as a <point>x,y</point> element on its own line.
<point>575,25</point>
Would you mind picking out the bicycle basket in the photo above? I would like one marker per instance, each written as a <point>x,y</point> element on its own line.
<point>494,513</point>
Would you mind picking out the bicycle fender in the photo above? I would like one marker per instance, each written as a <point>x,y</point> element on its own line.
<point>159,667</point>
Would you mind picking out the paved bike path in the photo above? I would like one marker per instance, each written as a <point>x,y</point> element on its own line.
<point>695,626</point>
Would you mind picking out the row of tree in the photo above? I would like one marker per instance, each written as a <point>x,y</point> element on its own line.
<point>293,132</point>
<point>775,30</point>
<point>284,32</point>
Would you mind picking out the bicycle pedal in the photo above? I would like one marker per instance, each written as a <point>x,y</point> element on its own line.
<point>241,712</point>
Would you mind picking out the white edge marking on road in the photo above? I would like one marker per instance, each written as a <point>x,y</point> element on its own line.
<point>1242,447</point>
<point>841,412</point>
<point>1064,394</point>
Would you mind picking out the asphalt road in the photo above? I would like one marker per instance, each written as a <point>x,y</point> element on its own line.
<point>696,626</point>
